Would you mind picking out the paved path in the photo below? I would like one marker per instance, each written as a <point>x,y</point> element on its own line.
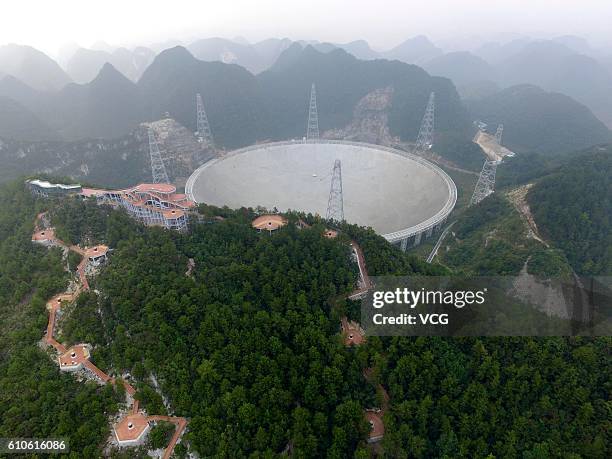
<point>55,304</point>
<point>364,282</point>
<point>434,251</point>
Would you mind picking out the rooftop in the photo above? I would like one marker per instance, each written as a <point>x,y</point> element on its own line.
<point>131,427</point>
<point>44,235</point>
<point>376,425</point>
<point>330,234</point>
<point>155,188</point>
<point>97,251</point>
<point>173,213</point>
<point>352,333</point>
<point>269,222</point>
<point>74,356</point>
<point>57,300</point>
<point>140,194</point>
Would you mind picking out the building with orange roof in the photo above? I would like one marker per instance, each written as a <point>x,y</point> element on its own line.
<point>96,255</point>
<point>330,234</point>
<point>131,430</point>
<point>154,204</point>
<point>269,222</point>
<point>377,427</point>
<point>44,236</point>
<point>352,333</point>
<point>73,358</point>
<point>57,300</point>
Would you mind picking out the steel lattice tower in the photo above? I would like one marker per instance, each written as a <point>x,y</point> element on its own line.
<point>335,204</point>
<point>204,133</point>
<point>424,140</point>
<point>313,117</point>
<point>498,133</point>
<point>486,182</point>
<point>157,163</point>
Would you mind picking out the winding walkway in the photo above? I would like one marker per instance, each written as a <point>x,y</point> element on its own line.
<point>78,355</point>
<point>354,336</point>
<point>434,251</point>
<point>352,332</point>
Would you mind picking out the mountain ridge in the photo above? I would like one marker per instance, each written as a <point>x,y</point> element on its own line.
<point>540,121</point>
<point>32,66</point>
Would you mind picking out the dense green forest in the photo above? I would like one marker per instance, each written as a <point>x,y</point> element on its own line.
<point>573,206</point>
<point>571,201</point>
<point>538,121</point>
<point>462,152</point>
<point>248,347</point>
<point>525,168</point>
<point>491,239</point>
<point>36,400</point>
<point>495,397</point>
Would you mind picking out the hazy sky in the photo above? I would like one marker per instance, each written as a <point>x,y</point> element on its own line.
<point>48,24</point>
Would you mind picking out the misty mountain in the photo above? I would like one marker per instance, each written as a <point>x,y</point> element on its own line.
<point>109,106</point>
<point>118,162</point>
<point>255,57</point>
<point>269,50</point>
<point>555,67</point>
<point>101,45</point>
<point>160,46</point>
<point>17,122</point>
<point>463,68</point>
<point>262,55</point>
<point>231,95</point>
<point>115,163</point>
<point>478,89</point>
<point>243,108</point>
<point>342,80</point>
<point>226,51</point>
<point>540,121</point>
<point>65,52</point>
<point>359,48</point>
<point>20,92</point>
<point>494,52</point>
<point>414,51</point>
<point>32,67</point>
<point>577,44</point>
<point>85,64</point>
<point>132,63</point>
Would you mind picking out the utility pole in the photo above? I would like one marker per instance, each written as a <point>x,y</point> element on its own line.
<point>312,132</point>
<point>335,204</point>
<point>425,138</point>
<point>204,133</point>
<point>486,182</point>
<point>157,163</point>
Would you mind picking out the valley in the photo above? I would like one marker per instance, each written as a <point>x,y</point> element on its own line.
<point>209,212</point>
